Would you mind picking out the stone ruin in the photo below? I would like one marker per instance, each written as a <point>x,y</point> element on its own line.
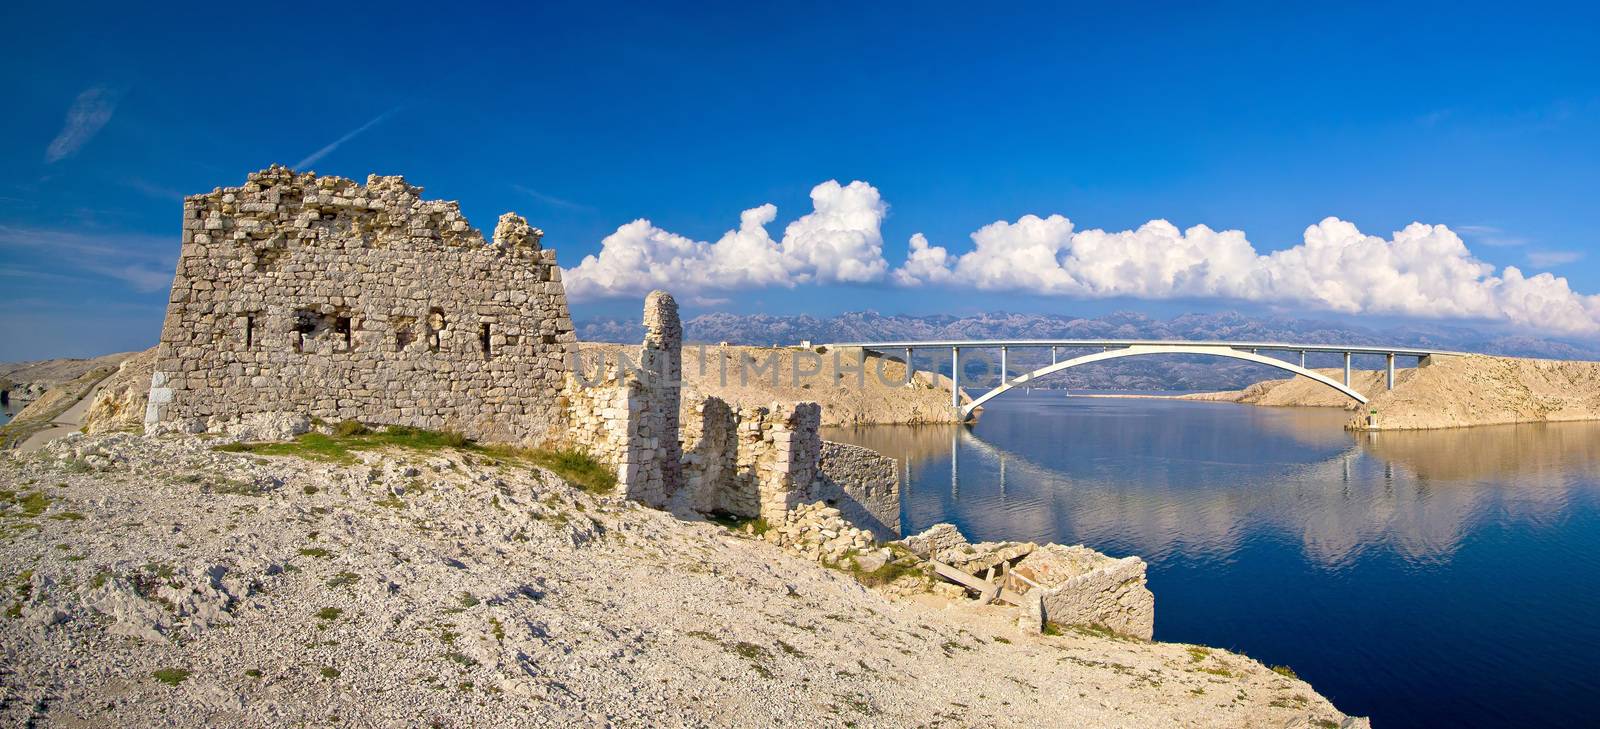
<point>301,298</point>
<point>321,297</point>
<point>706,455</point>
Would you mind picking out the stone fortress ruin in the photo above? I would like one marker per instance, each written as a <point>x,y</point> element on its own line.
<point>321,297</point>
<point>301,298</point>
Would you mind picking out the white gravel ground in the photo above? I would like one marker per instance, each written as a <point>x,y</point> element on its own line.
<point>445,589</point>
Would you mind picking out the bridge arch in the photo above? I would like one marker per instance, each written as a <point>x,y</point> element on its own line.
<point>1139,350</point>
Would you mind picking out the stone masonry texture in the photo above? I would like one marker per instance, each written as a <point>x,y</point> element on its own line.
<point>324,297</point>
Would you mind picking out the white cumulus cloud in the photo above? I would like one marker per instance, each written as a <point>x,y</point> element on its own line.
<point>839,241</point>
<point>1422,271</point>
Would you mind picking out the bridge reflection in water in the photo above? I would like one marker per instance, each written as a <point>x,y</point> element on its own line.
<point>1125,478</point>
<point>1436,578</point>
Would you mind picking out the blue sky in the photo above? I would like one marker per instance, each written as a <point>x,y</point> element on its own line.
<point>1264,119</point>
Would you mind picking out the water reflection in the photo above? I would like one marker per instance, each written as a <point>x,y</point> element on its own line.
<point>1163,479</point>
<point>1437,578</point>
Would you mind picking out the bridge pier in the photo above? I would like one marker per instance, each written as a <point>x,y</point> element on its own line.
<point>1346,369</point>
<point>1002,364</point>
<point>955,377</point>
<point>910,373</point>
<point>1391,370</point>
<point>1303,361</point>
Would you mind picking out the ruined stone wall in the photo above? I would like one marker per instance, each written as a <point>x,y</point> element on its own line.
<point>778,448</point>
<point>863,484</point>
<point>1079,586</point>
<point>750,462</point>
<point>709,435</point>
<point>625,414</point>
<point>321,296</point>
<point>601,417</point>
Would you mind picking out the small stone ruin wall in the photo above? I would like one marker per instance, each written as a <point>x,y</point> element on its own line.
<point>710,456</point>
<point>751,462</point>
<point>863,484</point>
<point>323,297</point>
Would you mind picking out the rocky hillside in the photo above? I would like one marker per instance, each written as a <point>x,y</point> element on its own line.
<point>27,381</point>
<point>119,402</point>
<point>1161,373</point>
<point>159,582</point>
<point>1460,391</point>
<point>1451,392</point>
<point>1301,391</point>
<point>744,376</point>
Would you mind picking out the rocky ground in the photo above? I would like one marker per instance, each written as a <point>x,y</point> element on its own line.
<point>846,399</point>
<point>159,582</point>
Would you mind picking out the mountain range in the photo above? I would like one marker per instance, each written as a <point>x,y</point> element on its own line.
<point>1168,373</point>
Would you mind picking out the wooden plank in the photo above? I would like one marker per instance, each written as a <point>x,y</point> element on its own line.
<point>959,577</point>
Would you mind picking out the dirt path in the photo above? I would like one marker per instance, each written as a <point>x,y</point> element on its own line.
<point>70,421</point>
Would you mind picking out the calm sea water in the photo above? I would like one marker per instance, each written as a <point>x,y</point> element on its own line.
<point>1447,578</point>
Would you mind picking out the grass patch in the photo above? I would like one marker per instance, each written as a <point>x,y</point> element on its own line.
<point>1096,630</point>
<point>317,552</point>
<point>1284,671</point>
<point>1197,653</point>
<point>343,578</point>
<point>30,504</point>
<point>329,613</point>
<point>736,523</point>
<point>573,465</point>
<point>756,655</point>
<point>252,672</point>
<point>347,428</point>
<point>329,672</point>
<point>463,660</point>
<point>171,676</point>
<point>341,448</point>
<point>1051,628</point>
<point>886,574</point>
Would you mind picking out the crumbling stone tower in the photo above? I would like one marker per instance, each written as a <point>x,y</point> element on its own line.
<point>321,297</point>
<point>662,359</point>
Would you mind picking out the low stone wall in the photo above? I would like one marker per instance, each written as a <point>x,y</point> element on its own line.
<point>1079,586</point>
<point>780,446</point>
<point>863,484</point>
<point>1065,585</point>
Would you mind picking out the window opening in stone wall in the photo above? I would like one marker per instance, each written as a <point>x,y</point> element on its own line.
<point>305,322</point>
<point>483,340</point>
<point>249,331</point>
<point>341,329</point>
<point>436,324</point>
<point>404,333</point>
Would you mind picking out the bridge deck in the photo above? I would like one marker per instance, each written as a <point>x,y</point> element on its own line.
<point>1089,343</point>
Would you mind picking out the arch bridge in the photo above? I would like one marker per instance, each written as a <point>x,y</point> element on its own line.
<point>1109,349</point>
